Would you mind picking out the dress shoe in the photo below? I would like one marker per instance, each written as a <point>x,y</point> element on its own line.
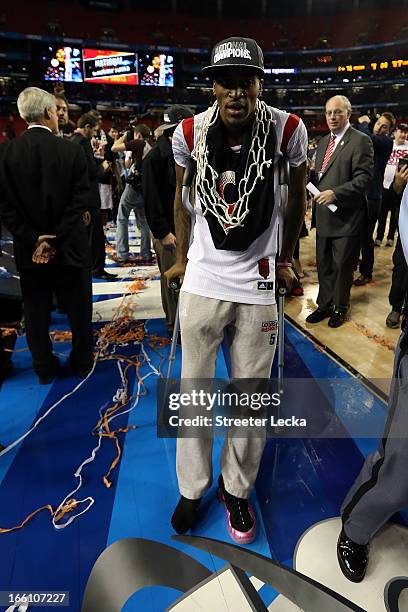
<point>6,367</point>
<point>352,557</point>
<point>377,243</point>
<point>393,319</point>
<point>104,275</point>
<point>140,260</point>
<point>318,315</point>
<point>337,318</point>
<point>362,280</point>
<point>47,375</point>
<point>389,243</point>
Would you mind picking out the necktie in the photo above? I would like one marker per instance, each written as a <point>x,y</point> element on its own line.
<point>328,154</point>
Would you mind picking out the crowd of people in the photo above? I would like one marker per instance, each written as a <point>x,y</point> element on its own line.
<point>57,191</point>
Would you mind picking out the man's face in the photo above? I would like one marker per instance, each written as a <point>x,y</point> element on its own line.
<point>62,112</point>
<point>400,136</point>
<point>113,133</point>
<point>237,92</point>
<point>381,127</point>
<point>90,131</point>
<point>52,117</point>
<point>337,115</point>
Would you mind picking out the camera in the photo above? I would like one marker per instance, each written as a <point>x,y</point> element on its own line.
<point>402,162</point>
<point>129,128</point>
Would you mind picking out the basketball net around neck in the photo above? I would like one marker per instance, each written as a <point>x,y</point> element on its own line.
<point>211,200</point>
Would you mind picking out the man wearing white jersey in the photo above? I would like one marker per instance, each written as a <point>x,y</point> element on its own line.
<point>381,488</point>
<point>230,269</point>
<point>399,150</point>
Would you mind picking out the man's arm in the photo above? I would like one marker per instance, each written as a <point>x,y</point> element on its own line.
<point>295,211</point>
<point>95,171</point>
<point>155,215</point>
<point>79,200</point>
<point>182,224</point>
<point>119,145</point>
<point>382,143</point>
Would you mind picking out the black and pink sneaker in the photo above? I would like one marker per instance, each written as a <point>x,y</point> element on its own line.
<point>241,520</point>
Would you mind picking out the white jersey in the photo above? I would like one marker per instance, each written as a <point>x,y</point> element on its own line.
<point>398,152</point>
<point>246,277</point>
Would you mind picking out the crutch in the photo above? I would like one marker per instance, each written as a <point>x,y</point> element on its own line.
<point>175,284</point>
<point>284,170</point>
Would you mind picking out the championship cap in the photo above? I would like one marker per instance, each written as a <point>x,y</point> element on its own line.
<point>236,52</point>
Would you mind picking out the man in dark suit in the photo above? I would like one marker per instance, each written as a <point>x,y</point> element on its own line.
<point>44,191</point>
<point>344,165</point>
<point>87,127</point>
<point>159,188</point>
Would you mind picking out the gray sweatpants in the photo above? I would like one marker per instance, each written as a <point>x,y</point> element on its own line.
<point>202,323</point>
<point>381,488</point>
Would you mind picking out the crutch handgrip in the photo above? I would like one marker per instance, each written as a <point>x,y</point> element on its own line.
<point>175,284</point>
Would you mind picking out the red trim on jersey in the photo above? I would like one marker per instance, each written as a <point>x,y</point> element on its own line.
<point>288,131</point>
<point>188,131</point>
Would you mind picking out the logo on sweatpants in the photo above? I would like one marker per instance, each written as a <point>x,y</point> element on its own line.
<point>269,326</point>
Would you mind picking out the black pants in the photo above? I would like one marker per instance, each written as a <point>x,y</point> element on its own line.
<point>336,258</point>
<point>388,205</point>
<point>399,285</point>
<point>97,241</point>
<point>367,242</point>
<point>71,285</point>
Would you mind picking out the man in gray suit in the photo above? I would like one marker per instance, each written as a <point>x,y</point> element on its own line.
<point>344,166</point>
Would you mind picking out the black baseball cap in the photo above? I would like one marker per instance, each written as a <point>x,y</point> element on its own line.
<point>174,114</point>
<point>236,52</point>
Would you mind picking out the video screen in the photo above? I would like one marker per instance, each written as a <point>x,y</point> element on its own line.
<point>62,64</point>
<point>117,67</point>
<point>156,69</point>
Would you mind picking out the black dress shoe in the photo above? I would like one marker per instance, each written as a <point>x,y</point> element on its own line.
<point>104,275</point>
<point>318,315</point>
<point>337,318</point>
<point>352,557</point>
<point>47,375</point>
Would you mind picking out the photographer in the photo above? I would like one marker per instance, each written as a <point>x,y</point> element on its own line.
<point>132,197</point>
<point>399,285</point>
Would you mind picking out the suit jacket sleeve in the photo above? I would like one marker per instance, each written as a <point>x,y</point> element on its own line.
<point>382,143</point>
<point>154,209</point>
<point>15,221</point>
<point>79,200</point>
<point>362,161</point>
<point>95,171</point>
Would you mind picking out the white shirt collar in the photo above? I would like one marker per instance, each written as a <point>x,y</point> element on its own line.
<point>340,135</point>
<point>34,125</point>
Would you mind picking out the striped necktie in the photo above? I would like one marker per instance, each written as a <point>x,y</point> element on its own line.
<point>328,154</point>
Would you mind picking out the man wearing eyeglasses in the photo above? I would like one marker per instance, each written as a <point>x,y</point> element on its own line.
<point>344,166</point>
